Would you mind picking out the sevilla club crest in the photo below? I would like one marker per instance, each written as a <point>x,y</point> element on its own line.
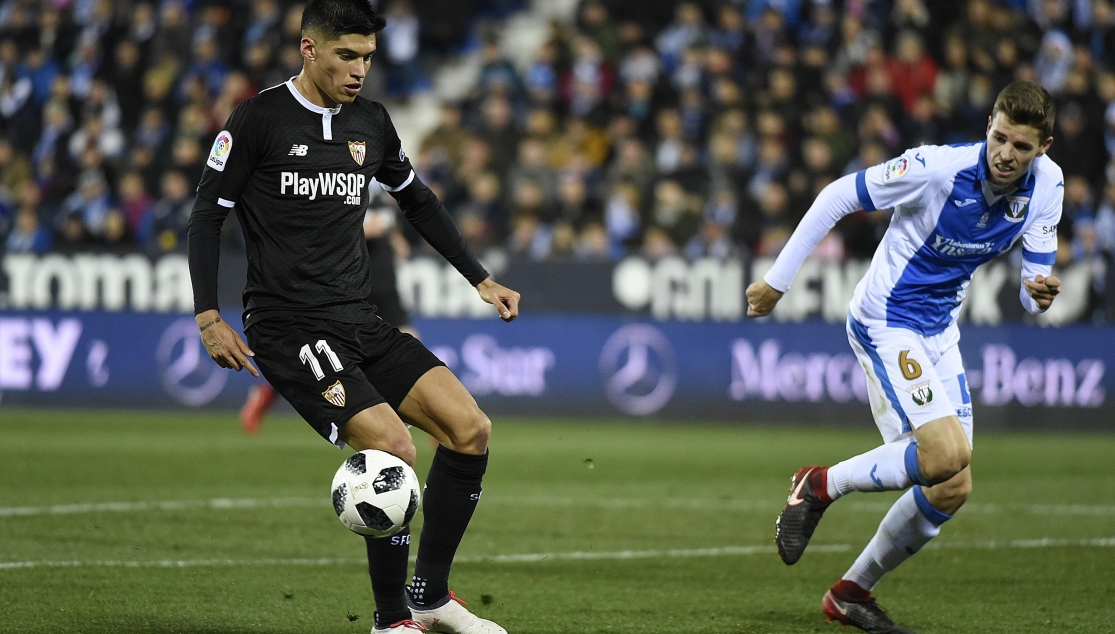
<point>356,149</point>
<point>335,394</point>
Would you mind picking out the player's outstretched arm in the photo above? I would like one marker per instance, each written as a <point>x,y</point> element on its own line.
<point>432,221</point>
<point>224,346</point>
<point>504,299</point>
<point>836,200</point>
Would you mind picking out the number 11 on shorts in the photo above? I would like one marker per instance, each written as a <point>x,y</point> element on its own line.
<point>307,356</point>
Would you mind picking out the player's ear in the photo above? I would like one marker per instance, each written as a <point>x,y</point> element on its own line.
<point>308,49</point>
<point>1045,146</point>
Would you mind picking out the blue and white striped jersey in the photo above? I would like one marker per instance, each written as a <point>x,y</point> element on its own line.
<point>947,222</point>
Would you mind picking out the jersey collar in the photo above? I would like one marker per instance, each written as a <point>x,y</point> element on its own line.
<point>306,102</point>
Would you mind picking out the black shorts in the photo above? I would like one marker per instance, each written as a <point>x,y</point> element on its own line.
<point>330,370</point>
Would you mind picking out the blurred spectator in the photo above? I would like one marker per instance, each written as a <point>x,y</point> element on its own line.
<point>72,235</point>
<point>117,235</point>
<point>687,29</point>
<point>445,143</point>
<point>1054,61</point>
<point>657,243</point>
<point>912,73</point>
<point>28,234</point>
<point>1077,149</point>
<point>675,211</point>
<point>497,75</point>
<point>400,46</point>
<point>597,25</point>
<point>498,130</point>
<point>15,170</point>
<point>89,204</point>
<point>108,141</point>
<point>169,219</point>
<point>134,200</point>
<point>592,243</point>
<point>621,217</point>
<point>529,237</point>
<point>483,217</point>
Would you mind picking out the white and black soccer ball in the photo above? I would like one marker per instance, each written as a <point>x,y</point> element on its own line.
<point>375,493</point>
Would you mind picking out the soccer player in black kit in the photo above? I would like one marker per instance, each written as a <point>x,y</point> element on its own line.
<point>294,162</point>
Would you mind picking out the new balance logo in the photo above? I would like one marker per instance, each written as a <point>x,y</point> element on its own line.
<point>299,150</point>
<point>963,203</point>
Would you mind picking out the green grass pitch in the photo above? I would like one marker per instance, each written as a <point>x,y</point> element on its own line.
<point>135,522</point>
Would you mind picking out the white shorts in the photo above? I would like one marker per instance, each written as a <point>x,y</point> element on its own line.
<point>911,379</point>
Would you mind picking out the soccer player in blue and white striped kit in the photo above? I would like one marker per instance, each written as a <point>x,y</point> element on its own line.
<point>955,208</point>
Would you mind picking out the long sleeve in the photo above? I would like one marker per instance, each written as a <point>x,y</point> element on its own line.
<point>1029,271</point>
<point>204,252</point>
<point>1039,242</point>
<point>226,171</point>
<point>423,209</point>
<point>835,201</point>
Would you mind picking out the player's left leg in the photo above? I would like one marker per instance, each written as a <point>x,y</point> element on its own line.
<point>913,520</point>
<point>440,405</point>
<point>427,395</point>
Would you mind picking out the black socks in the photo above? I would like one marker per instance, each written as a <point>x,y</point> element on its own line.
<point>387,565</point>
<point>452,491</point>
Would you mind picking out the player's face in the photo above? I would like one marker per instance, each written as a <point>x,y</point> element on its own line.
<point>339,66</point>
<point>1011,148</point>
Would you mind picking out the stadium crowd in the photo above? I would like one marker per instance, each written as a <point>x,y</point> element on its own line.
<point>696,128</point>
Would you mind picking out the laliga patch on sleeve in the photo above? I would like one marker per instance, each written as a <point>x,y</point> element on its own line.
<point>218,156</point>
<point>895,169</point>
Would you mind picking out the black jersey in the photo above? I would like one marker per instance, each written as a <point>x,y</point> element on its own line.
<point>297,176</point>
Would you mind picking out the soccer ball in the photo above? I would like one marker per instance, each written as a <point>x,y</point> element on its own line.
<point>375,493</point>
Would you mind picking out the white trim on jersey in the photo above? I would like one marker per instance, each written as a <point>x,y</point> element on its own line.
<point>400,187</point>
<point>326,113</point>
<point>224,202</point>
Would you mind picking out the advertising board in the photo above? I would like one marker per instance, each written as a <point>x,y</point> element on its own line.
<point>598,366</point>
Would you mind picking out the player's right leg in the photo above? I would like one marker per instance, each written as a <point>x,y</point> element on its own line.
<point>925,441</point>
<point>315,365</point>
<point>379,427</point>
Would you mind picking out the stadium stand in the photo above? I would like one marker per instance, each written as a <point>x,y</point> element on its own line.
<point>702,129</point>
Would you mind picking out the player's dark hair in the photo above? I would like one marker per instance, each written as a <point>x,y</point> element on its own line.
<point>333,18</point>
<point>1027,103</point>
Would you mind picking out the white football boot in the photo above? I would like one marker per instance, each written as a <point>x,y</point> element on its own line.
<point>402,627</point>
<point>453,618</point>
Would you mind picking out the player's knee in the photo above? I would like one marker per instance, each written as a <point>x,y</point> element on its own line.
<point>943,461</point>
<point>958,491</point>
<point>471,435</point>
<point>404,449</point>
<point>950,495</point>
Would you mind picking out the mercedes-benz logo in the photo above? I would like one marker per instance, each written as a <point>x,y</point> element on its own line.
<point>186,370</point>
<point>639,369</point>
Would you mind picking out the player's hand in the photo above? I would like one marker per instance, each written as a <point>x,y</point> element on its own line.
<point>224,346</point>
<point>504,299</point>
<point>1043,289</point>
<point>761,298</point>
